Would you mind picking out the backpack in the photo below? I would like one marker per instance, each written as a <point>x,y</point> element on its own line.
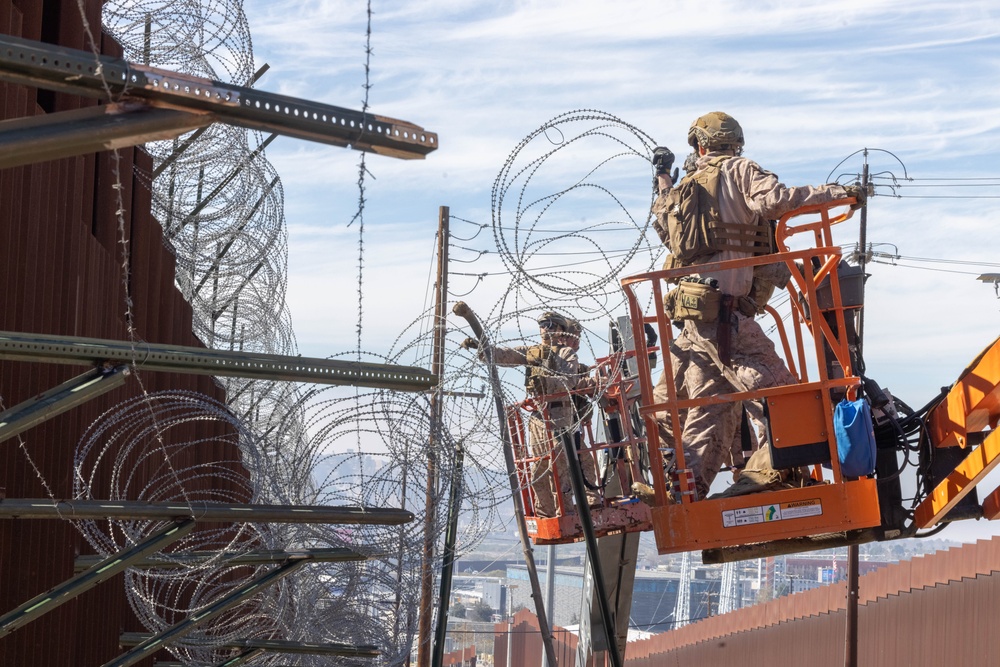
<point>690,224</point>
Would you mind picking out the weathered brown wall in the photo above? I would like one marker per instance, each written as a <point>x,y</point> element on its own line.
<point>930,610</point>
<point>60,273</point>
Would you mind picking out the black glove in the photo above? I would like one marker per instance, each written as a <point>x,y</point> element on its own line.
<point>859,193</point>
<point>470,344</point>
<point>663,160</point>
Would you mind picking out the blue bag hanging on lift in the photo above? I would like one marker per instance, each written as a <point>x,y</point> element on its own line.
<point>852,424</point>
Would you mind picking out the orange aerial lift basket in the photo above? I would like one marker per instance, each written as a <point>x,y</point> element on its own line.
<point>800,415</point>
<point>609,465</point>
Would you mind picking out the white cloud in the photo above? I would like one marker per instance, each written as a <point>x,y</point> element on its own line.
<point>811,82</point>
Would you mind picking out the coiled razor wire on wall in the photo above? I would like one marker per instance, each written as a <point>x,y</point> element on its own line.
<point>220,204</point>
<point>572,217</point>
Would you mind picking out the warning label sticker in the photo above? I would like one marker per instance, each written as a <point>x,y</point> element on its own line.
<point>767,513</point>
<point>812,507</point>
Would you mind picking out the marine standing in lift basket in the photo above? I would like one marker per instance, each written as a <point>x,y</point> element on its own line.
<point>722,211</point>
<point>548,369</point>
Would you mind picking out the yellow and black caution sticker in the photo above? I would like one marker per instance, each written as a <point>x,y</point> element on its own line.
<point>775,512</point>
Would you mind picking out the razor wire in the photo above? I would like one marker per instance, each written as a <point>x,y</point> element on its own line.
<point>220,204</point>
<point>570,218</point>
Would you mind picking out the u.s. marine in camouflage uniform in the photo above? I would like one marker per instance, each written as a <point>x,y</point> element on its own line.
<point>549,370</point>
<point>745,198</point>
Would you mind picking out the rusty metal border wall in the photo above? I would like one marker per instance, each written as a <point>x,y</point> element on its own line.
<point>927,610</point>
<point>60,273</point>
<point>931,610</point>
<point>526,642</point>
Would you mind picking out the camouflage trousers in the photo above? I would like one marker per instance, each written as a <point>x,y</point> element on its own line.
<point>710,433</point>
<point>548,488</point>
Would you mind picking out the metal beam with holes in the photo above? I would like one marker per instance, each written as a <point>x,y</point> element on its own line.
<point>99,572</point>
<point>966,475</point>
<point>195,558</point>
<point>44,508</point>
<point>75,391</point>
<point>274,645</point>
<point>201,361</point>
<point>181,629</point>
<point>43,65</point>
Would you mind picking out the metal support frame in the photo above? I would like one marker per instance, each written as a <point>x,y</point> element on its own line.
<point>241,659</point>
<point>274,646</point>
<point>81,131</point>
<point>55,401</point>
<point>99,572</point>
<point>179,630</point>
<point>44,508</point>
<point>972,470</point>
<point>201,361</point>
<point>593,553</point>
<point>232,559</point>
<point>59,68</point>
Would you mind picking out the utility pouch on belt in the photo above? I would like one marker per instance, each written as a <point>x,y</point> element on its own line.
<point>670,304</point>
<point>697,301</point>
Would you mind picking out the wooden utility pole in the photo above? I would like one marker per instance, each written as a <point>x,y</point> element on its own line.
<point>455,494</point>
<point>437,368</point>
<point>851,634</point>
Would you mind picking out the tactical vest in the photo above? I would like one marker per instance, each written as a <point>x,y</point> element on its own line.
<point>541,362</point>
<point>691,226</point>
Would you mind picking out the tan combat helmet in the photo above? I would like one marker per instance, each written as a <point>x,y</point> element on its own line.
<point>551,322</point>
<point>716,131</point>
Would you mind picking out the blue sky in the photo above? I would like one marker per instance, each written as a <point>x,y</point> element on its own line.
<point>810,82</point>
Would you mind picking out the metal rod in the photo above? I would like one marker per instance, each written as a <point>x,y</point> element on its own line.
<point>550,592</point>
<point>862,260</point>
<point>232,559</point>
<point>101,571</point>
<point>201,361</point>
<point>60,399</point>
<point>448,566</point>
<point>462,310</point>
<point>89,130</point>
<point>273,645</point>
<point>593,555</point>
<point>203,202</point>
<point>191,623</point>
<point>788,546</point>
<point>851,634</point>
<point>187,143</point>
<point>44,508</point>
<point>42,65</point>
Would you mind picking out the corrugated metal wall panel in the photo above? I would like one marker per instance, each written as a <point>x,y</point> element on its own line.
<point>60,273</point>
<point>937,622</point>
<point>934,623</point>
